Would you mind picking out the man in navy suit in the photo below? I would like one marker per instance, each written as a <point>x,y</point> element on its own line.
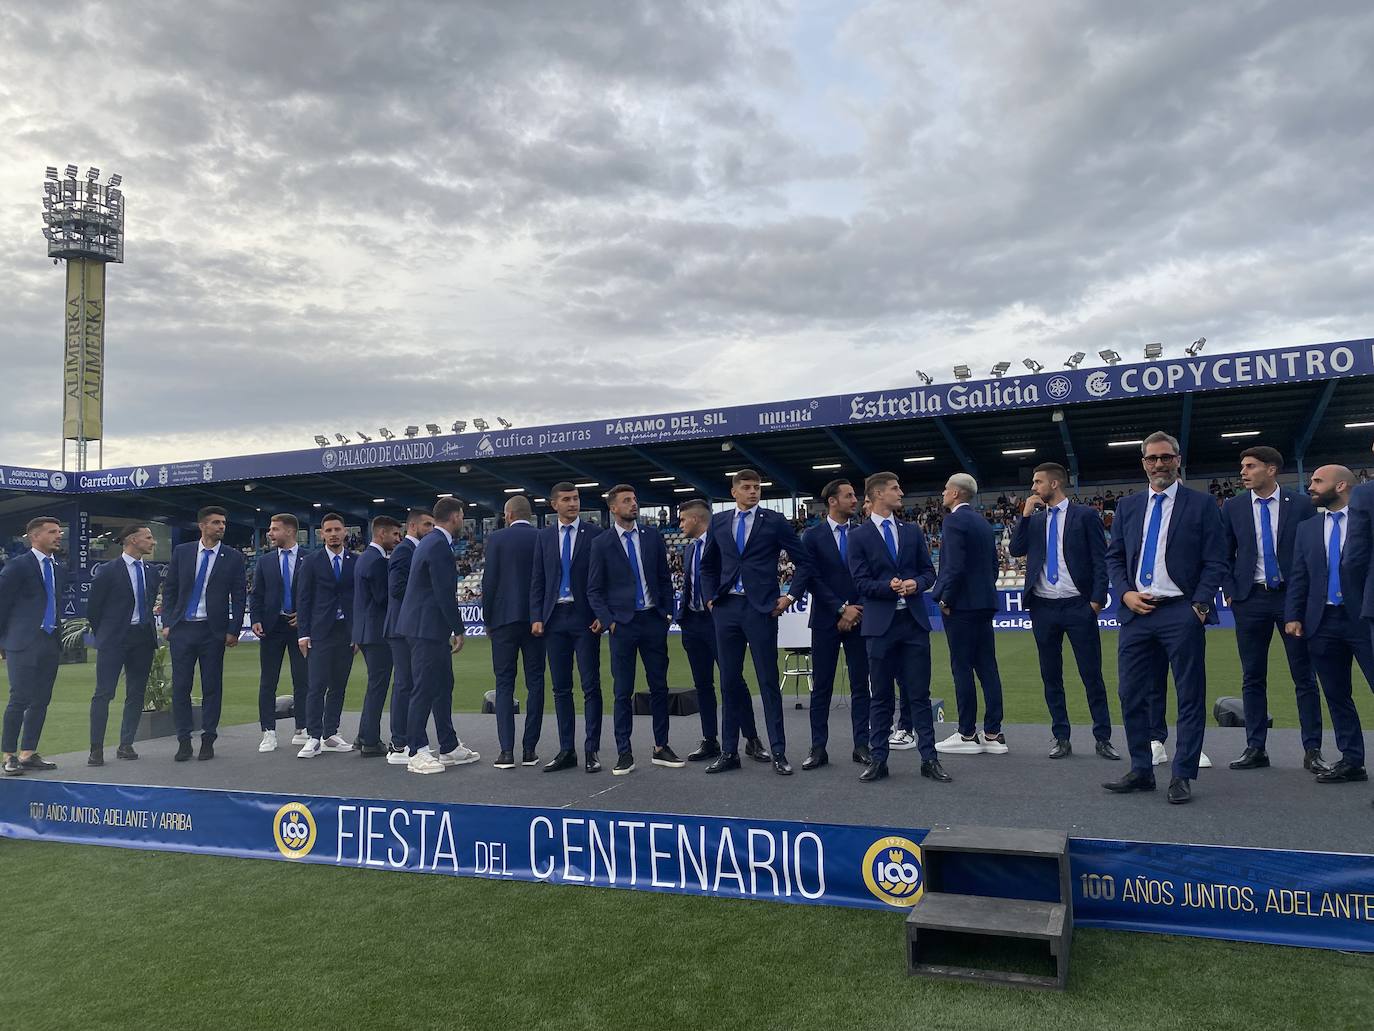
<point>203,600</point>
<point>1065,548</point>
<point>506,580</point>
<point>966,591</point>
<point>561,614</point>
<point>369,630</point>
<point>1325,598</point>
<point>836,611</point>
<point>30,642</point>
<point>1167,557</point>
<point>120,611</point>
<point>272,611</point>
<point>324,628</point>
<point>631,592</point>
<point>433,627</point>
<point>1360,536</point>
<point>892,571</point>
<point>739,578</point>
<point>1260,526</point>
<point>419,522</point>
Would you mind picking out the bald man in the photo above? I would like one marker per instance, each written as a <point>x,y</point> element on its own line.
<point>1324,602</point>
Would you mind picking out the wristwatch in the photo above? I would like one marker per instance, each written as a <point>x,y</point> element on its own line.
<point>1201,608</point>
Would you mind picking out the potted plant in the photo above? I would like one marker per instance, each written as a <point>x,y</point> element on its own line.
<point>75,637</point>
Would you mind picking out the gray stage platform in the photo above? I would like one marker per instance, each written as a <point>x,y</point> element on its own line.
<point>1280,807</point>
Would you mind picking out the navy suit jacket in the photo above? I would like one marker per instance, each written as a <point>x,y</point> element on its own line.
<point>397,576</point>
<point>829,579</point>
<point>429,610</point>
<point>968,563</point>
<point>611,583</point>
<point>1085,551</point>
<point>226,589</point>
<point>1359,542</point>
<point>722,564</point>
<point>872,567</point>
<point>1306,600</point>
<point>23,599</point>
<point>369,597</point>
<point>110,606</point>
<point>506,575</point>
<point>684,603</point>
<point>264,600</point>
<point>1195,547</point>
<point>546,574</point>
<point>321,596</point>
<point>1242,551</point>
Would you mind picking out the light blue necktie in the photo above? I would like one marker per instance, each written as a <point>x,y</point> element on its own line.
<point>741,537</point>
<point>565,585</point>
<point>140,592</point>
<point>1147,558</point>
<point>198,587</point>
<point>891,541</point>
<point>1333,560</point>
<point>844,544</point>
<point>634,568</point>
<point>1052,550</point>
<point>1271,560</point>
<point>287,602</point>
<point>696,571</point>
<point>50,588</point>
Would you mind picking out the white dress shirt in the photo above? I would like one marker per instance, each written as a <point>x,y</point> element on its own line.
<point>896,538</point>
<point>1065,588</point>
<point>135,586</point>
<point>1163,586</point>
<point>200,614</point>
<point>695,550</point>
<point>1328,523</point>
<point>639,557</point>
<point>1256,504</point>
<point>338,612</point>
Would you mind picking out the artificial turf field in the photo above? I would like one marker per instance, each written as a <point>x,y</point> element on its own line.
<point>104,937</point>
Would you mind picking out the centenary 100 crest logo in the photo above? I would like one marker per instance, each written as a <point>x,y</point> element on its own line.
<point>293,828</point>
<point>892,871</point>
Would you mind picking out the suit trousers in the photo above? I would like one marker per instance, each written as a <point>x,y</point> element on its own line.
<point>402,694</point>
<point>194,644</point>
<point>699,642</point>
<point>972,651</point>
<point>377,658</point>
<point>431,692</point>
<point>739,625</point>
<point>566,638</point>
<point>1339,642</point>
<point>330,663</point>
<point>510,644</point>
<point>644,638</point>
<point>32,672</point>
<point>281,641</point>
<point>826,644</point>
<point>132,656</point>
<point>1173,633</point>
<point>1257,617</point>
<point>900,654</point>
<point>1053,619</point>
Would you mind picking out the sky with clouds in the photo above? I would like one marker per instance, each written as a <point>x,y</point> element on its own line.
<point>342,216</point>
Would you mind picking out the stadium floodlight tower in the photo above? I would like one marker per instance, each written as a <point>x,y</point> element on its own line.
<point>83,223</point>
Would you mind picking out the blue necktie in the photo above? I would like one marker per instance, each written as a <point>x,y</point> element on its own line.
<point>891,541</point>
<point>198,587</point>
<point>140,592</point>
<point>565,585</point>
<point>287,602</point>
<point>1271,560</point>
<point>741,536</point>
<point>338,567</point>
<point>844,544</point>
<point>696,572</point>
<point>634,568</point>
<point>1147,558</point>
<point>1333,560</point>
<point>1052,550</point>
<point>50,606</point>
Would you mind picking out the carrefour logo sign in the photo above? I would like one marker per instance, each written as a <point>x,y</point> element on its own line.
<point>293,829</point>
<point>892,871</point>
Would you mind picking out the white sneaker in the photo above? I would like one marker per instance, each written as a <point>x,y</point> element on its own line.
<point>312,748</point>
<point>268,742</point>
<point>1203,762</point>
<point>300,737</point>
<point>460,756</point>
<point>993,745</point>
<point>400,758</point>
<point>1158,756</point>
<point>423,762</point>
<point>957,744</point>
<point>334,743</point>
<point>901,740</point>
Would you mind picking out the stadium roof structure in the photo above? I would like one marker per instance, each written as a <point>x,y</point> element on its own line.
<point>1300,399</point>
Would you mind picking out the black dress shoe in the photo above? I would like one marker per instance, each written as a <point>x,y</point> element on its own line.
<point>207,750</point>
<point>564,760</point>
<point>125,752</point>
<point>624,764</point>
<point>37,762</point>
<point>862,755</point>
<point>592,764</point>
<point>372,751</point>
<point>1062,749</point>
<point>665,756</point>
<point>1312,760</point>
<point>1341,773</point>
<point>505,761</point>
<point>1180,791</point>
<point>1250,759</point>
<point>874,771</point>
<point>931,768</point>
<point>1105,749</point>
<point>724,762</point>
<point>1133,781</point>
<point>184,751</point>
<point>780,765</point>
<point>12,767</point>
<point>815,759</point>
<point>755,750</point>
<point>708,749</point>
<point>529,758</point>
<point>96,758</point>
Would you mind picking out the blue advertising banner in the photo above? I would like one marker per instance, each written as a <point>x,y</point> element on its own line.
<point>1313,899</point>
